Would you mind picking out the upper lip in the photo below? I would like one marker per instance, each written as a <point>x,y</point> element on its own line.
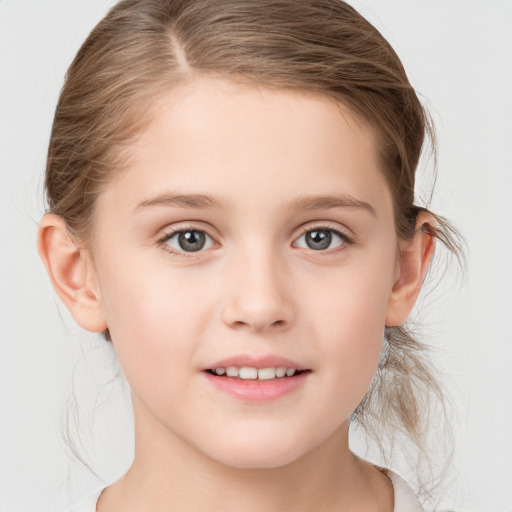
<point>253,361</point>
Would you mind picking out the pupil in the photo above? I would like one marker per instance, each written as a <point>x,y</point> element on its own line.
<point>191,241</point>
<point>318,239</point>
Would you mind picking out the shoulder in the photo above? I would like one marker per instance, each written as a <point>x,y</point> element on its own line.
<point>405,499</point>
<point>89,503</point>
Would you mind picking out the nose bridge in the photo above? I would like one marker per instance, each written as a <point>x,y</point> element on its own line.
<point>258,295</point>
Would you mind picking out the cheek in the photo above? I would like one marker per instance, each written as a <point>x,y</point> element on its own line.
<point>350,323</point>
<point>353,298</point>
<point>357,329</point>
<point>155,321</point>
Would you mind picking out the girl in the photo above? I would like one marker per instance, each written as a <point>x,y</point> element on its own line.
<point>231,203</point>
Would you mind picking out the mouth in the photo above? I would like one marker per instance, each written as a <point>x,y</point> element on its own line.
<point>257,381</point>
<point>248,373</point>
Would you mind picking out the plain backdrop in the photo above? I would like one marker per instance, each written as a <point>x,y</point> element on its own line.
<point>458,54</point>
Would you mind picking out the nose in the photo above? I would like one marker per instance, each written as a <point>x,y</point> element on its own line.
<point>258,294</point>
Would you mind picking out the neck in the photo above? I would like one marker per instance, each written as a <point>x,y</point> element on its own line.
<point>168,474</point>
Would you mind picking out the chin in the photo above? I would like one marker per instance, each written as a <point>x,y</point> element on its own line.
<point>259,453</point>
<point>257,461</point>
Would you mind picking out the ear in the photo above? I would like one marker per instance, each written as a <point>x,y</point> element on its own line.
<point>71,272</point>
<point>415,257</point>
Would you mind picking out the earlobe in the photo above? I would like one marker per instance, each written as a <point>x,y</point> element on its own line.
<point>415,257</point>
<point>70,269</point>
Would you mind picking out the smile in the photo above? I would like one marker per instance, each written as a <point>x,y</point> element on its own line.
<point>253,385</point>
<point>249,373</point>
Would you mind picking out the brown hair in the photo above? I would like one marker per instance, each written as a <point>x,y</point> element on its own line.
<point>143,48</point>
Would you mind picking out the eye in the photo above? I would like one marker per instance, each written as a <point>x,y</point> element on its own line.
<point>188,240</point>
<point>321,239</point>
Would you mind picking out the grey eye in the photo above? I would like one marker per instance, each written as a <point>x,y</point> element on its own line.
<point>189,240</point>
<point>320,239</point>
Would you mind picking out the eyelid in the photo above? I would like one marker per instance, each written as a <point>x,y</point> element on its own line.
<point>329,226</point>
<point>348,238</point>
<point>169,232</point>
<point>344,233</point>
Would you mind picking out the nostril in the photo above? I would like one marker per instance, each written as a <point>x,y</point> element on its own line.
<point>257,324</point>
<point>257,312</point>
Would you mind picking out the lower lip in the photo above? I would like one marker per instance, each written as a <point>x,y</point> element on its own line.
<point>257,390</point>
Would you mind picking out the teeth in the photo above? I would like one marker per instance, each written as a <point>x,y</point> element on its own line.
<point>247,372</point>
<point>281,371</point>
<point>232,371</point>
<point>266,373</point>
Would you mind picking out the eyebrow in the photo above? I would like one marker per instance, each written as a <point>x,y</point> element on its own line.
<point>196,201</point>
<point>331,201</point>
<point>201,201</point>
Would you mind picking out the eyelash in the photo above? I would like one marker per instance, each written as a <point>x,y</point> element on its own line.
<point>182,229</point>
<point>346,240</point>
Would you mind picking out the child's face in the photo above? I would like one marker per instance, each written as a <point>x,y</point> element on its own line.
<point>259,183</point>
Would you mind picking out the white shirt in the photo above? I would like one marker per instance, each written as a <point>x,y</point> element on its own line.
<point>405,499</point>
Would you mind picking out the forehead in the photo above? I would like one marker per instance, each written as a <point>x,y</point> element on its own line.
<point>233,140</point>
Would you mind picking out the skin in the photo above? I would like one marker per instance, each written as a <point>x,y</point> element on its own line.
<point>256,288</point>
